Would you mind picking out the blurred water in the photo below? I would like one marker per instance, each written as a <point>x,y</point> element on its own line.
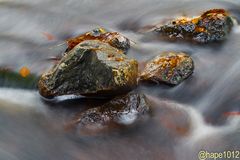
<point>186,118</point>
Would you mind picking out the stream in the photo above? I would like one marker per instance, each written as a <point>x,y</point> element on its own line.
<point>187,118</point>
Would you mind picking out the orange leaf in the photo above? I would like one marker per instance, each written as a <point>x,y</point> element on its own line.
<point>49,36</point>
<point>24,72</point>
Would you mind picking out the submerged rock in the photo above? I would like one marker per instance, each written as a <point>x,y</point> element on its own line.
<point>212,25</point>
<point>91,68</point>
<point>168,67</point>
<point>120,111</point>
<point>113,38</point>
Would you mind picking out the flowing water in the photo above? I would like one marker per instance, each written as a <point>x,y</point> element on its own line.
<point>187,118</point>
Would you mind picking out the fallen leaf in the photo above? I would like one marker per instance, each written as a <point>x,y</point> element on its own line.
<point>49,36</point>
<point>231,113</point>
<point>24,72</point>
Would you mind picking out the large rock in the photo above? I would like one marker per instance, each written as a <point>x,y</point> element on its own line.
<point>121,111</point>
<point>90,68</point>
<point>168,67</point>
<point>115,39</point>
<point>212,25</point>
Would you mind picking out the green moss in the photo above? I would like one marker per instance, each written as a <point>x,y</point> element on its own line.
<point>15,80</point>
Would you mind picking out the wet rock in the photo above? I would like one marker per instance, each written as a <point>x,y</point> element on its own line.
<point>91,68</point>
<point>168,67</point>
<point>212,25</point>
<point>120,111</point>
<point>113,38</point>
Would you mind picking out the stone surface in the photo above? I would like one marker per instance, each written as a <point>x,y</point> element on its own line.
<point>115,39</point>
<point>212,25</point>
<point>91,68</point>
<point>120,111</point>
<point>168,67</point>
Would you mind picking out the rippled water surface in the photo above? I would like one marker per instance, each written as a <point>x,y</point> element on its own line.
<point>186,118</point>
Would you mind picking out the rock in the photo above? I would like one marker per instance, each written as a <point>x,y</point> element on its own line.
<point>120,111</point>
<point>113,38</point>
<point>168,67</point>
<point>91,68</point>
<point>212,25</point>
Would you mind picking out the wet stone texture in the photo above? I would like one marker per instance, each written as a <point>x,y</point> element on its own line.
<point>168,67</point>
<point>90,68</point>
<point>212,25</point>
<point>120,111</point>
<point>113,38</point>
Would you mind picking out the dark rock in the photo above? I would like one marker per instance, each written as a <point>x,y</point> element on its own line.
<point>113,38</point>
<point>168,67</point>
<point>120,111</point>
<point>91,68</point>
<point>212,25</point>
